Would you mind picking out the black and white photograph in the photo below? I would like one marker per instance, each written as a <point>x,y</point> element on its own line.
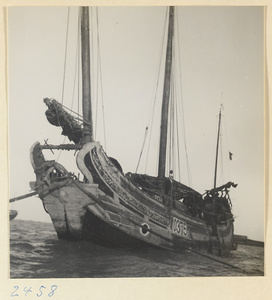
<point>136,142</point>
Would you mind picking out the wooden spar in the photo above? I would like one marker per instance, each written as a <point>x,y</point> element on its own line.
<point>86,77</point>
<point>23,197</point>
<point>61,147</point>
<point>45,191</point>
<point>217,146</point>
<point>166,95</point>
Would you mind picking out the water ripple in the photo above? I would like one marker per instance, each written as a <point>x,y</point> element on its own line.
<point>36,252</point>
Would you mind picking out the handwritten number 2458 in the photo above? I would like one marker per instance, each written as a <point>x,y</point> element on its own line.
<point>41,290</point>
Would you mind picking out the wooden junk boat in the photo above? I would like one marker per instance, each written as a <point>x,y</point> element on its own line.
<point>114,209</point>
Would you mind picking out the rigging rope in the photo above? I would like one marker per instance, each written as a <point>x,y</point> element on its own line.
<point>96,62</point>
<point>101,83</point>
<point>178,141</point>
<point>152,110</point>
<point>64,69</point>
<point>221,158</point>
<point>226,143</point>
<point>174,159</point>
<point>78,65</point>
<point>65,56</point>
<point>95,91</point>
<point>176,110</point>
<point>176,116</point>
<point>76,71</point>
<point>224,156</point>
<point>146,130</point>
<point>171,145</point>
<point>182,106</point>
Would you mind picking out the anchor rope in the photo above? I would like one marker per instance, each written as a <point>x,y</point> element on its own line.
<point>197,252</point>
<point>202,254</point>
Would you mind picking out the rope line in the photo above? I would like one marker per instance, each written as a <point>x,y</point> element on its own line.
<point>76,71</point>
<point>101,83</point>
<point>146,130</point>
<point>79,47</point>
<point>65,55</point>
<point>182,105</point>
<point>156,88</point>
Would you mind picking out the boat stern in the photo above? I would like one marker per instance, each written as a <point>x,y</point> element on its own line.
<point>65,198</point>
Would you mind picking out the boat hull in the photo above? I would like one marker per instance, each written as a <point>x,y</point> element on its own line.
<point>109,209</point>
<point>12,214</point>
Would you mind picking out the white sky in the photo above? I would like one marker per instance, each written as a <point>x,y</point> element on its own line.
<point>221,52</point>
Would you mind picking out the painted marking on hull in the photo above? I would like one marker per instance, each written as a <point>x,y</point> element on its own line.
<point>124,195</point>
<point>179,227</point>
<point>144,229</point>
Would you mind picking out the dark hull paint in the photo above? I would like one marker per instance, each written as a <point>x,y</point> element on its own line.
<point>97,231</point>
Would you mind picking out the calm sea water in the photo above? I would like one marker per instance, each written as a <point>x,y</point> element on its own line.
<point>36,252</point>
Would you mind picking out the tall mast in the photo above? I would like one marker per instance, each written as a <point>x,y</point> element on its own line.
<point>86,78</point>
<point>217,146</point>
<point>166,95</point>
